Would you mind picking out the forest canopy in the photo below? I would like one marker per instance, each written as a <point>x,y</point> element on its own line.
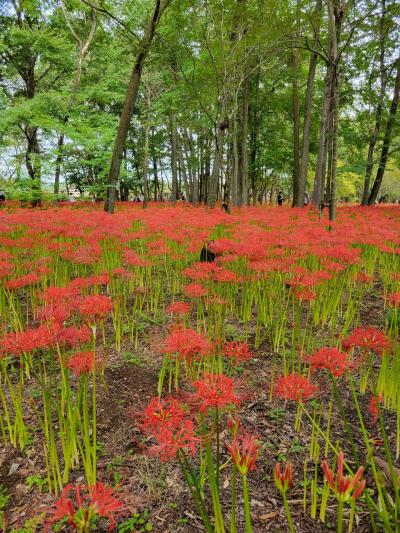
<point>235,100</point>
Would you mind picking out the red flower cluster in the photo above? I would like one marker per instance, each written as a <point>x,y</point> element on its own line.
<point>369,338</point>
<point>194,290</point>
<point>344,487</point>
<point>244,451</point>
<point>179,308</point>
<point>238,351</point>
<point>215,391</point>
<point>23,281</point>
<point>394,299</point>
<point>166,421</point>
<point>98,500</point>
<point>96,306</point>
<point>294,387</point>
<point>82,362</point>
<point>186,343</point>
<point>162,413</point>
<point>330,359</point>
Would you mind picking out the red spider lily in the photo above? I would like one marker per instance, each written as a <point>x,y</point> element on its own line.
<point>215,391</point>
<point>6,269</point>
<point>173,441</point>
<point>244,451</point>
<point>373,407</point>
<point>294,387</point>
<point>82,362</point>
<point>162,413</point>
<point>71,336</point>
<point>97,306</point>
<point>363,277</point>
<point>131,258</point>
<point>91,281</point>
<point>179,308</point>
<point>59,294</point>
<point>194,290</point>
<point>283,481</point>
<point>370,338</point>
<point>330,359</point>
<point>23,281</point>
<point>103,502</point>
<point>55,312</point>
<point>97,501</point>
<point>64,508</point>
<point>344,487</point>
<point>186,343</point>
<point>238,351</point>
<point>27,341</point>
<point>394,299</point>
<point>304,295</point>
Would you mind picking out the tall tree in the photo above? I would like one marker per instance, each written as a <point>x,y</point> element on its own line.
<point>130,99</point>
<point>387,137</point>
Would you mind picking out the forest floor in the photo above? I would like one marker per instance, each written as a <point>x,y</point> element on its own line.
<point>156,491</point>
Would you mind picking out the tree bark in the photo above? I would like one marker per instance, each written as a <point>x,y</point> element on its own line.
<point>236,192</point>
<point>308,109</point>
<point>213,184</point>
<point>319,167</point>
<point>296,117</point>
<point>244,151</point>
<point>387,138</point>
<point>130,100</point>
<point>379,107</point>
<point>174,158</point>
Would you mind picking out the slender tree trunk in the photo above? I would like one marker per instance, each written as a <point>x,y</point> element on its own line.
<point>308,109</point>
<point>318,191</point>
<point>296,118</point>
<point>387,138</point>
<point>236,193</point>
<point>379,107</point>
<point>254,129</point>
<point>130,99</point>
<point>244,151</point>
<point>174,157</point>
<point>186,183</point>
<point>213,184</point>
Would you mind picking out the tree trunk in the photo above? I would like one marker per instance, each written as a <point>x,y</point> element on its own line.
<point>174,158</point>
<point>319,167</point>
<point>236,192</point>
<point>130,100</point>
<point>244,152</point>
<point>254,115</point>
<point>154,159</point>
<point>387,138</point>
<point>213,184</point>
<point>308,110</point>
<point>296,118</point>
<point>379,107</point>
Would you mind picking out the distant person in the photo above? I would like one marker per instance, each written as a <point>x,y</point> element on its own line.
<point>280,198</point>
<point>2,197</point>
<point>306,198</point>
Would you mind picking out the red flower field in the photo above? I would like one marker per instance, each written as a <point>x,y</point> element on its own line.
<point>144,389</point>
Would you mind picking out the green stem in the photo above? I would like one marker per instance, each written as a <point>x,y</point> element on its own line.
<point>233,511</point>
<point>287,511</point>
<point>339,526</point>
<point>247,515</point>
